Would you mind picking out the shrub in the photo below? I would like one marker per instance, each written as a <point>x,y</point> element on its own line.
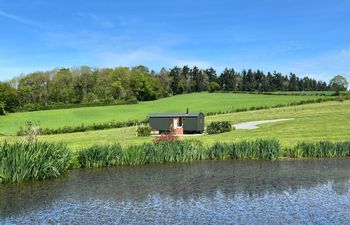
<point>143,131</point>
<point>218,127</point>
<point>32,130</point>
<point>32,161</point>
<point>31,107</point>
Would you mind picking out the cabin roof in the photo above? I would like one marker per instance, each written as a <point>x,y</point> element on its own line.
<point>174,115</point>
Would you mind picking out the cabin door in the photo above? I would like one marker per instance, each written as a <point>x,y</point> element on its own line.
<point>177,125</point>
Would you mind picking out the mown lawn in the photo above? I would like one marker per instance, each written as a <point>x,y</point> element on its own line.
<point>322,121</point>
<point>205,102</point>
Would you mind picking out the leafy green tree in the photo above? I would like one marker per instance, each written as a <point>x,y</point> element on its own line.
<point>8,97</point>
<point>165,81</point>
<point>214,86</point>
<point>293,82</point>
<point>34,88</point>
<point>186,78</point>
<point>175,79</point>
<point>339,83</point>
<point>62,87</point>
<point>212,76</point>
<point>229,80</point>
<point>2,109</point>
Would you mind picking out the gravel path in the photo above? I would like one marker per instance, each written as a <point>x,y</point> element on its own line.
<point>254,124</point>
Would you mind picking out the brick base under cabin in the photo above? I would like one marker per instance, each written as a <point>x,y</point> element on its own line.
<point>179,131</point>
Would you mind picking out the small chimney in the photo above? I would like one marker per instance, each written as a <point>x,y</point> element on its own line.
<point>187,111</point>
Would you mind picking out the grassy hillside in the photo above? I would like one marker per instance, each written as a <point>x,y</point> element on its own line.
<point>205,102</point>
<point>323,121</point>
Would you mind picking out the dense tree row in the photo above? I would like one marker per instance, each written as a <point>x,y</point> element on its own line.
<point>86,85</point>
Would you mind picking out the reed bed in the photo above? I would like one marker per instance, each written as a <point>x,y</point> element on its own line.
<point>320,149</point>
<point>26,161</point>
<point>175,151</point>
<point>259,149</point>
<point>32,161</point>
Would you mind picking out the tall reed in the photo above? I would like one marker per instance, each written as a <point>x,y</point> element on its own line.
<point>178,151</point>
<point>259,149</point>
<point>320,149</point>
<point>32,161</point>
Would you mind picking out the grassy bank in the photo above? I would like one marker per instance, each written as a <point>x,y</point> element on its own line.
<point>39,160</point>
<point>313,122</point>
<point>205,102</point>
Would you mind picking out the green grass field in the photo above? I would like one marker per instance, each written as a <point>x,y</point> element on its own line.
<point>321,121</point>
<point>205,102</point>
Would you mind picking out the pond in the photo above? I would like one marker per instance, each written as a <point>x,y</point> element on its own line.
<point>208,192</point>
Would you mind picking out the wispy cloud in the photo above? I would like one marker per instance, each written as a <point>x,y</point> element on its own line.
<point>324,66</point>
<point>100,21</point>
<point>21,20</point>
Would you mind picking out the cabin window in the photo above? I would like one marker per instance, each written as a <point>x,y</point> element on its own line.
<point>179,122</point>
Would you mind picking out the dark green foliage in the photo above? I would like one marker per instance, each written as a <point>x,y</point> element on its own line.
<point>32,161</point>
<point>2,109</point>
<point>218,127</point>
<point>9,97</point>
<point>143,131</point>
<point>320,149</point>
<point>36,107</point>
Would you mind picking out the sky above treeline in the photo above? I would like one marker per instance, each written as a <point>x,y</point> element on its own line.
<point>305,37</point>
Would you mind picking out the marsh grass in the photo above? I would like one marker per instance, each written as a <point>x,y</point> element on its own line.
<point>179,151</point>
<point>320,149</point>
<point>26,161</point>
<point>259,149</point>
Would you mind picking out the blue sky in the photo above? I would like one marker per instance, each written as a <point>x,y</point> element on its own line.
<point>306,37</point>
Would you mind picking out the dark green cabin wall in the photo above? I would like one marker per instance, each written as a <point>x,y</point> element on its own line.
<point>160,123</point>
<point>190,123</point>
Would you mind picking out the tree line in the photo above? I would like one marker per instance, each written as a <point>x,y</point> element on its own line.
<point>111,85</point>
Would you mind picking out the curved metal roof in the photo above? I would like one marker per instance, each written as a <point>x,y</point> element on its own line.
<point>173,115</point>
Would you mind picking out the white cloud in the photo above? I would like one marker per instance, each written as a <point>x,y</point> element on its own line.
<point>100,21</point>
<point>324,66</point>
<point>21,20</point>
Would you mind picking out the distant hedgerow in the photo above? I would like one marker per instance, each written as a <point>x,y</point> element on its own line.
<point>83,128</point>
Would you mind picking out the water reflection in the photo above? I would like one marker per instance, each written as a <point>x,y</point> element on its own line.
<point>187,184</point>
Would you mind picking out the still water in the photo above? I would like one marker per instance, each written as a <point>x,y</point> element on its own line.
<point>209,192</point>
